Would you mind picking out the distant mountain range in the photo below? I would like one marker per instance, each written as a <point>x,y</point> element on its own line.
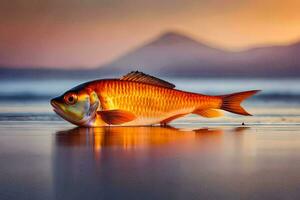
<point>174,54</point>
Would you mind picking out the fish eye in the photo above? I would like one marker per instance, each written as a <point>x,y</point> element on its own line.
<point>70,98</point>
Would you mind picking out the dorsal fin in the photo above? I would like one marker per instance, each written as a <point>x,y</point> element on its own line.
<point>145,78</point>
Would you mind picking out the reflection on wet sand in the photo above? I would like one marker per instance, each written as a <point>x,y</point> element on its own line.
<point>127,137</point>
<point>131,137</point>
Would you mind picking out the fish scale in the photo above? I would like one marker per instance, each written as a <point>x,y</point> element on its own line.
<point>150,101</point>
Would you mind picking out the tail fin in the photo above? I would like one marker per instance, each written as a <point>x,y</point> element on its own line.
<point>231,102</point>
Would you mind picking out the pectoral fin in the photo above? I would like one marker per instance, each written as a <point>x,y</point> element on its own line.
<point>209,113</point>
<point>116,117</point>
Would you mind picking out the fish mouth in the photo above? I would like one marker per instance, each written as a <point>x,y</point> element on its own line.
<point>58,110</point>
<point>54,104</point>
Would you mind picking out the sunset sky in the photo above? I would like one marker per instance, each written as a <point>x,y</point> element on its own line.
<point>75,33</point>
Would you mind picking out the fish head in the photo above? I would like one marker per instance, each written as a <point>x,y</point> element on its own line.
<point>77,106</point>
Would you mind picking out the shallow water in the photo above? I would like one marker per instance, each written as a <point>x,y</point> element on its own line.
<point>55,161</point>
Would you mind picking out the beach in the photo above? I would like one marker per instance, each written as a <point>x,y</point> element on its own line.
<point>232,157</point>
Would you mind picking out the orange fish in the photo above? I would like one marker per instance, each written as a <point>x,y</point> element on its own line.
<point>138,99</point>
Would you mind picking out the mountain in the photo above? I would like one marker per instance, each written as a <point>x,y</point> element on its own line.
<point>174,54</point>
<point>170,52</point>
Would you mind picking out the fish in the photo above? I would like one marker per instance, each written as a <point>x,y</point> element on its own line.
<point>139,99</point>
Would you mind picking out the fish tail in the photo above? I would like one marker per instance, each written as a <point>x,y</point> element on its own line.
<point>231,102</point>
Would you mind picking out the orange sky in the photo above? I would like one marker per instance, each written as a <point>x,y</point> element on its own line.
<point>64,33</point>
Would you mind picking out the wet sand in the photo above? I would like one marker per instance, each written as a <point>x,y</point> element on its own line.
<point>54,160</point>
